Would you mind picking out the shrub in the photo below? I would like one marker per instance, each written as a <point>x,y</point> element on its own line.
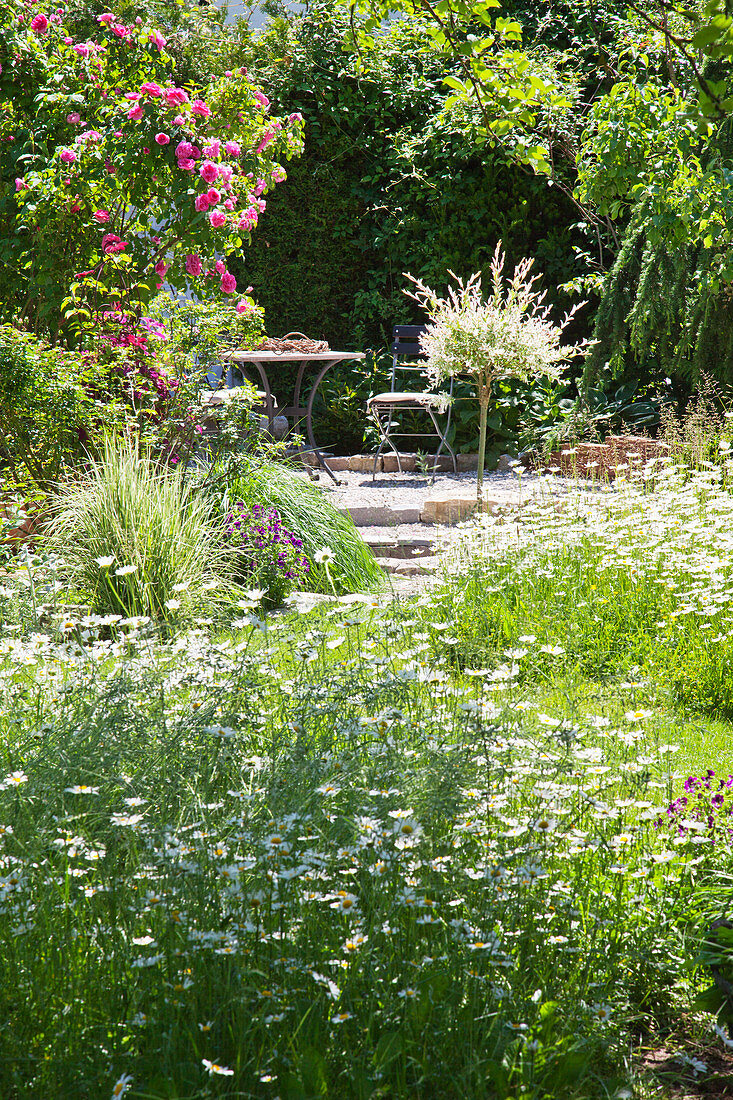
<point>135,541</point>
<point>509,335</point>
<point>46,410</point>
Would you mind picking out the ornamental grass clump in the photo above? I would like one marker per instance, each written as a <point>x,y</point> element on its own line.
<point>509,335</point>
<point>268,555</point>
<point>135,541</point>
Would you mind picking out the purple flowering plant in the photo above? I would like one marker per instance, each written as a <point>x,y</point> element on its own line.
<point>270,557</point>
<point>705,809</point>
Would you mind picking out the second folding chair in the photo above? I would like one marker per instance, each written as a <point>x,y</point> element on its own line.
<point>388,409</point>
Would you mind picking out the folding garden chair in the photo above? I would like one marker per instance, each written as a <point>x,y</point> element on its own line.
<point>388,408</point>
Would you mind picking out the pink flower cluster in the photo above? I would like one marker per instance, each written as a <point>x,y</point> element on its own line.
<point>231,199</point>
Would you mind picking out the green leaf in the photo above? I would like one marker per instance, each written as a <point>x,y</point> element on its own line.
<point>705,36</point>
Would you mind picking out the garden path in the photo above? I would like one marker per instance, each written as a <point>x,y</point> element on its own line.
<point>397,513</point>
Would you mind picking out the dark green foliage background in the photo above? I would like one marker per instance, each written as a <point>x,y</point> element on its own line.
<point>388,184</point>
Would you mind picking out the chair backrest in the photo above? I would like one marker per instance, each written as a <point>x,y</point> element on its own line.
<point>406,354</point>
<point>406,342</point>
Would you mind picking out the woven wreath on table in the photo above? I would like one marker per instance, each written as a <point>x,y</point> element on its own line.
<point>293,342</point>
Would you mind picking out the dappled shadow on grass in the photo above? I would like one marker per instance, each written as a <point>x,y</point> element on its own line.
<point>663,1067</point>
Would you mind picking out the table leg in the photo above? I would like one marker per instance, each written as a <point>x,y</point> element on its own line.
<point>309,416</point>
<point>269,404</point>
<point>298,383</point>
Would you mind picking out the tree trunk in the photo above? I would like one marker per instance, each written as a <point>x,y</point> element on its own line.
<point>484,392</point>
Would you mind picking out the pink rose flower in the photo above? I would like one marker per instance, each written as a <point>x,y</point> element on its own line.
<point>201,203</point>
<point>174,96</point>
<point>106,18</point>
<point>217,219</point>
<point>157,39</point>
<point>229,204</point>
<point>212,148</point>
<point>151,88</point>
<point>111,243</point>
<point>225,173</point>
<point>248,220</point>
<point>262,99</point>
<point>120,30</point>
<point>68,156</point>
<point>184,149</point>
<point>193,265</point>
<point>162,139</point>
<point>198,107</point>
<point>73,118</point>
<point>220,267</point>
<point>213,196</point>
<point>101,216</point>
<point>186,165</point>
<point>209,171</point>
<point>39,24</point>
<point>132,96</point>
<point>244,306</point>
<point>233,148</point>
<point>82,48</point>
<point>228,283</point>
<point>135,113</point>
<point>178,120</point>
<point>161,268</point>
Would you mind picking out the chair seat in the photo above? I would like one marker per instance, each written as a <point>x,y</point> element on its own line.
<point>395,398</point>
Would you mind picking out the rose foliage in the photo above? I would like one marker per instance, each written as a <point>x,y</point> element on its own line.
<point>115,178</point>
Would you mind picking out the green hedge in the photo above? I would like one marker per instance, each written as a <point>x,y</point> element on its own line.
<point>389,183</point>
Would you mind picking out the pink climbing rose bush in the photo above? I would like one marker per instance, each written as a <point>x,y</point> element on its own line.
<point>122,177</point>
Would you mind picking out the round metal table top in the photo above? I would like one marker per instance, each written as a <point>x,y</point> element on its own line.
<point>289,356</point>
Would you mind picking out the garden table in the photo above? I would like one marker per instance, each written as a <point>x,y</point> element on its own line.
<point>300,361</point>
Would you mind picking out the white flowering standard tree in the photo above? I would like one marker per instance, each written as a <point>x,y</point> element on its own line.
<point>508,335</point>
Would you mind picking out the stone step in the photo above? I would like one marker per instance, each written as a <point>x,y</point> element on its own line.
<point>442,509</point>
<point>415,568</point>
<point>387,545</point>
<point>375,515</point>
